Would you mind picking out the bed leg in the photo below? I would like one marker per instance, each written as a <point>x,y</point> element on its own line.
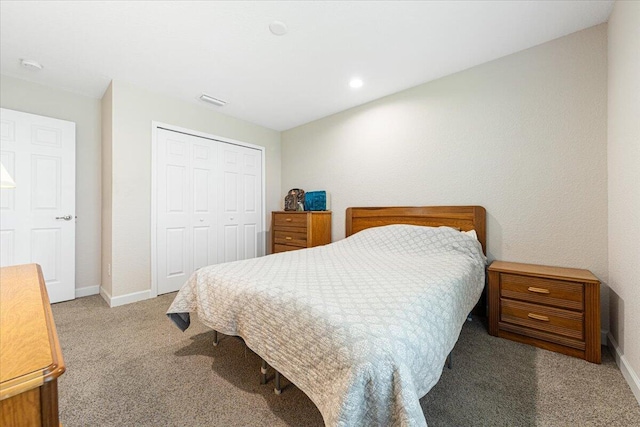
<point>450,361</point>
<point>277,389</point>
<point>263,372</point>
<point>215,338</point>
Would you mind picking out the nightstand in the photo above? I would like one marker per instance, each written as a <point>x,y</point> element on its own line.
<point>298,230</point>
<point>554,308</point>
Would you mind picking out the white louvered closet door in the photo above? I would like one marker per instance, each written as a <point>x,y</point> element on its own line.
<point>199,182</point>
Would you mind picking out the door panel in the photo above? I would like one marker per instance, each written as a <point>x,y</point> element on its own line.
<point>242,168</point>
<point>201,247</point>
<point>201,189</point>
<point>230,243</point>
<point>8,197</point>
<point>176,252</point>
<point>46,247</point>
<point>250,198</point>
<point>46,136</point>
<point>203,216</point>
<point>176,187</point>
<point>45,179</point>
<point>39,153</point>
<point>172,206</point>
<point>7,247</point>
<point>230,192</point>
<point>250,241</point>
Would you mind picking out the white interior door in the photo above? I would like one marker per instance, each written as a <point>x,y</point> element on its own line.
<point>37,218</point>
<point>208,205</point>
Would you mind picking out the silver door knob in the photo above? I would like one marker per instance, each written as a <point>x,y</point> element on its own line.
<point>66,217</point>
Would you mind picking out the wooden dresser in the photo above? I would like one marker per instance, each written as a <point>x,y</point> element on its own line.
<point>30,356</point>
<point>554,308</point>
<point>297,230</point>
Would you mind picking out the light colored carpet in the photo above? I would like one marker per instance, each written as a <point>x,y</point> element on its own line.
<point>130,366</point>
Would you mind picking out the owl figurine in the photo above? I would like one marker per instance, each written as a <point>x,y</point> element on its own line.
<point>294,200</point>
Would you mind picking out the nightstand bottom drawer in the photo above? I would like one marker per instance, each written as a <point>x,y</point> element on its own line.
<point>522,334</point>
<point>554,320</point>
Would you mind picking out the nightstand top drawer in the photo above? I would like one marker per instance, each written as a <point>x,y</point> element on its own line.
<point>537,290</point>
<point>568,274</point>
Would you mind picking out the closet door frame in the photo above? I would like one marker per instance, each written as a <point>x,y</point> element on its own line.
<point>155,126</point>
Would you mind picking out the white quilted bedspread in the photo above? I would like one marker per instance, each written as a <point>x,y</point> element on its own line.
<point>363,326</point>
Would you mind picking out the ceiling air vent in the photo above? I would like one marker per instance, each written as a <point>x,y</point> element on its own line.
<point>211,100</point>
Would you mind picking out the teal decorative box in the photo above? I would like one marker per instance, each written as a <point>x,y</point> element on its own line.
<point>315,201</point>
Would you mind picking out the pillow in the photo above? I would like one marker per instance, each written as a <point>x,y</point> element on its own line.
<point>471,233</point>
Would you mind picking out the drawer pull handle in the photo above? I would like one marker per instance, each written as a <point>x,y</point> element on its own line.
<point>289,238</point>
<point>538,317</point>
<point>288,219</point>
<point>538,290</point>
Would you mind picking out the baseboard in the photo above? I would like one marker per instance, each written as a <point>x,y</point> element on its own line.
<point>105,295</point>
<point>87,290</point>
<point>627,371</point>
<point>124,299</point>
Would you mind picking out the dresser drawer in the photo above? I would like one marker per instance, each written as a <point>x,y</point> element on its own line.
<point>284,248</point>
<point>555,320</point>
<point>290,220</point>
<point>542,291</point>
<point>295,238</point>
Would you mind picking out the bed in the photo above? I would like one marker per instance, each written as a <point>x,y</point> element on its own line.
<point>364,325</point>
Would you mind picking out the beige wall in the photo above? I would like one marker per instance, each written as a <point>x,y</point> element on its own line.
<point>20,95</point>
<point>624,185</point>
<point>524,136</point>
<point>134,109</point>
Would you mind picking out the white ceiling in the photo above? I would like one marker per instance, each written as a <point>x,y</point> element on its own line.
<point>184,48</point>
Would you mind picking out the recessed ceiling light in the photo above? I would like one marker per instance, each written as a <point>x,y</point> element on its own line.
<point>30,64</point>
<point>278,28</point>
<point>211,100</point>
<point>356,83</point>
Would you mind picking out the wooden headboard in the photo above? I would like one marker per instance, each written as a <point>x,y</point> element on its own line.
<point>463,217</point>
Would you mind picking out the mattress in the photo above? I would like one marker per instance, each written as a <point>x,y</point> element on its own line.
<point>363,326</point>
